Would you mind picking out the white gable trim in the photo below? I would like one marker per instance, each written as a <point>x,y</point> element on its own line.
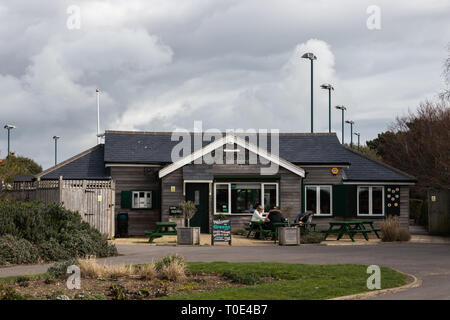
<point>231,139</point>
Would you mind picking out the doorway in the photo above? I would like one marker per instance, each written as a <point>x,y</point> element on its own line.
<point>198,193</point>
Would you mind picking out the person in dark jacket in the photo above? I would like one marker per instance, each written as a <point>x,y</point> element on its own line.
<point>274,217</point>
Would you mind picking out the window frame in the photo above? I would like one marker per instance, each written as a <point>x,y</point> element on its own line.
<point>262,184</point>
<point>370,213</point>
<point>146,193</point>
<point>318,186</point>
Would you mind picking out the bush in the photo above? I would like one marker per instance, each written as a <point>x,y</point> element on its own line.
<point>175,271</point>
<point>59,269</point>
<point>390,229</point>
<point>168,260</point>
<point>243,278</point>
<point>404,235</point>
<point>17,251</point>
<point>415,207</point>
<point>312,237</point>
<point>54,233</point>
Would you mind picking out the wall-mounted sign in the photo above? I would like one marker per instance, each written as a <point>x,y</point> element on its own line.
<point>172,188</point>
<point>392,200</point>
<point>221,231</point>
<point>334,171</point>
<point>175,211</point>
<point>99,198</point>
<point>433,198</point>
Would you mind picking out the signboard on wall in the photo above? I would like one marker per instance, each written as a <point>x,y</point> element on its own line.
<point>392,200</point>
<point>175,211</point>
<point>221,231</point>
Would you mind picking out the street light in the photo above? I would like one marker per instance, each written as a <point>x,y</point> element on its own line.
<point>328,87</point>
<point>56,148</point>
<point>350,122</point>
<point>9,127</point>
<point>311,57</point>
<point>342,108</point>
<point>358,135</point>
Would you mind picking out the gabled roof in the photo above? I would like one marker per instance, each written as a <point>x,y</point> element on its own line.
<point>86,165</point>
<point>231,139</point>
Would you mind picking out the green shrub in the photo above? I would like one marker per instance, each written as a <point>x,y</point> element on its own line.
<point>168,260</point>
<point>423,219</point>
<point>55,233</point>
<point>242,278</point>
<point>14,250</point>
<point>312,237</point>
<point>59,269</point>
<point>9,293</point>
<point>415,207</point>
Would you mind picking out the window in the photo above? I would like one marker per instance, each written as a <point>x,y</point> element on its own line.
<point>370,201</point>
<point>241,197</point>
<point>222,198</point>
<point>142,199</point>
<point>318,200</point>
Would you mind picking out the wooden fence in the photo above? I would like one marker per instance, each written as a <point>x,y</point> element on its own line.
<point>93,199</point>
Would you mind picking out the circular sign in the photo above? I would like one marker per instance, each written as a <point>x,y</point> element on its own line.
<point>334,171</point>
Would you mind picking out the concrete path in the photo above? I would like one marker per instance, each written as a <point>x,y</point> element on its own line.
<point>429,262</point>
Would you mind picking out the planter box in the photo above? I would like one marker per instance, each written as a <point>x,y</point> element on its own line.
<point>179,221</point>
<point>188,236</point>
<point>289,236</point>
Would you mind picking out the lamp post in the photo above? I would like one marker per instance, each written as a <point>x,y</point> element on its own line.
<point>350,122</point>
<point>9,127</point>
<point>98,116</point>
<point>328,87</point>
<point>311,57</point>
<point>342,108</point>
<point>56,148</point>
<point>358,135</point>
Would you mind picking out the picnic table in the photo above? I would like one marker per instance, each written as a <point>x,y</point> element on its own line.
<point>351,228</point>
<point>258,227</point>
<point>162,229</point>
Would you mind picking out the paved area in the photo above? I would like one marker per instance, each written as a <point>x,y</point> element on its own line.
<point>428,261</point>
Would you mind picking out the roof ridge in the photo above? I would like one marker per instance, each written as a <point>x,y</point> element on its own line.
<point>379,162</point>
<point>306,134</point>
<point>72,159</point>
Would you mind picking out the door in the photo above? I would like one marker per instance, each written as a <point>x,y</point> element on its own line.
<point>198,193</point>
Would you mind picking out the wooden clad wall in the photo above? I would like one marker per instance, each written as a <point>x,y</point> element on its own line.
<point>136,179</point>
<point>169,198</point>
<point>322,175</point>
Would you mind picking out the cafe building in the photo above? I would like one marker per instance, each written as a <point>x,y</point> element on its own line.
<point>152,172</point>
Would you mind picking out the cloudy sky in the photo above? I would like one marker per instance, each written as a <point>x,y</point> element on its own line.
<point>161,64</point>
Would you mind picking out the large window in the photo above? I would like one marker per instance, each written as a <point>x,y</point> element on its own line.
<point>318,200</point>
<point>370,200</point>
<point>142,199</point>
<point>241,197</point>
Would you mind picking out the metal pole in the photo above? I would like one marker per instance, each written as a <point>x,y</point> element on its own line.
<point>343,126</point>
<point>8,141</point>
<point>312,99</point>
<point>329,110</point>
<point>98,116</point>
<point>351,135</point>
<point>56,152</point>
<point>358,142</point>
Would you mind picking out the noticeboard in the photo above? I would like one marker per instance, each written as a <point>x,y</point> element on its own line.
<point>392,202</point>
<point>175,211</point>
<point>221,231</point>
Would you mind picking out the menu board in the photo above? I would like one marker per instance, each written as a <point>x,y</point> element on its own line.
<point>392,200</point>
<point>221,231</point>
<point>175,211</point>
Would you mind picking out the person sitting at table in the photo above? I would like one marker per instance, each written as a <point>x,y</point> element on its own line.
<point>274,217</point>
<point>258,214</point>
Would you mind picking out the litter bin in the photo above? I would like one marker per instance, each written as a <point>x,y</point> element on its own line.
<point>122,224</point>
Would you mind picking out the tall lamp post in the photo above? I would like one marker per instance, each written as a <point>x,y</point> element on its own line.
<point>9,127</point>
<point>311,57</point>
<point>351,123</point>
<point>328,87</point>
<point>56,148</point>
<point>342,108</point>
<point>358,135</point>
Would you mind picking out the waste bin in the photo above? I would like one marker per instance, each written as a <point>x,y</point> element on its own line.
<point>122,224</point>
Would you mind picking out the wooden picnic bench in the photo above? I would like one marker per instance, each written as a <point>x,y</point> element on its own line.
<point>351,228</point>
<point>162,229</point>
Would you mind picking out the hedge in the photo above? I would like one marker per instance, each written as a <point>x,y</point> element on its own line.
<point>33,232</point>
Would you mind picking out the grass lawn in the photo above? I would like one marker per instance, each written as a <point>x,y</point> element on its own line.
<point>295,281</point>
